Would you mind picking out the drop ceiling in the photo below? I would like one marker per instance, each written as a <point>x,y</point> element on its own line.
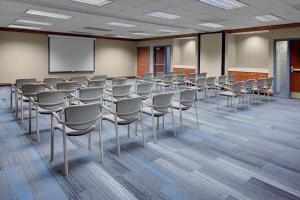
<point>93,19</point>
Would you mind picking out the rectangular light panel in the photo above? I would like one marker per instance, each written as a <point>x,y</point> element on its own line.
<point>141,33</point>
<point>167,31</point>
<point>24,27</point>
<point>33,22</point>
<point>120,24</point>
<point>268,18</point>
<point>225,4</point>
<point>212,25</point>
<point>162,15</point>
<point>48,14</point>
<point>95,2</point>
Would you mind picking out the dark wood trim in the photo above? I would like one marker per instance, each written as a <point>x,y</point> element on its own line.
<point>223,53</point>
<point>65,34</point>
<point>261,28</point>
<point>199,53</point>
<point>168,37</point>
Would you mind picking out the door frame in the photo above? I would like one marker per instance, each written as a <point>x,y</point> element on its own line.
<point>149,57</point>
<point>288,63</point>
<point>165,62</point>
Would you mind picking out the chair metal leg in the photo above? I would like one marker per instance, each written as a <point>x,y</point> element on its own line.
<point>196,114</point>
<point>163,123</point>
<point>16,104</point>
<point>89,142</point>
<point>101,140</point>
<point>65,154</point>
<point>29,124</point>
<point>37,124</point>
<point>52,139</point>
<point>154,129</point>
<point>117,138</point>
<point>128,131</point>
<point>22,117</point>
<point>157,123</point>
<point>181,121</point>
<point>136,127</point>
<point>233,100</point>
<point>173,122</point>
<point>11,95</point>
<point>143,134</point>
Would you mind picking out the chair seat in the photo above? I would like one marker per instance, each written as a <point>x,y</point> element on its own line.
<point>111,118</point>
<point>176,105</point>
<point>73,132</point>
<point>148,110</point>
<point>46,111</point>
<point>228,93</point>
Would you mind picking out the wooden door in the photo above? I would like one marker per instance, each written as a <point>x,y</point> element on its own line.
<point>143,60</point>
<point>159,62</point>
<point>295,68</point>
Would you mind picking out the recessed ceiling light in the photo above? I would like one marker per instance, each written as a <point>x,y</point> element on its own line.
<point>120,24</point>
<point>141,33</point>
<point>24,27</point>
<point>251,32</point>
<point>167,31</point>
<point>212,25</point>
<point>33,22</point>
<point>95,2</point>
<point>268,18</point>
<point>162,15</point>
<point>225,4</point>
<point>48,14</point>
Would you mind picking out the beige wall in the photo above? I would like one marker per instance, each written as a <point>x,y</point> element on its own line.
<point>26,55</point>
<point>211,54</point>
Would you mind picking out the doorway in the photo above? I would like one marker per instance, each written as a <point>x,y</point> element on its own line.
<point>162,59</point>
<point>143,60</point>
<point>287,68</point>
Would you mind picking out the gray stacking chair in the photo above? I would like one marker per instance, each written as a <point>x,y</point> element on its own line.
<point>30,90</point>
<point>179,81</point>
<point>46,103</point>
<point>89,95</point>
<point>159,77</point>
<point>144,90</point>
<point>260,88</point>
<point>69,88</point>
<point>269,88</point>
<point>100,77</point>
<point>96,83</point>
<point>119,81</point>
<point>233,93</point>
<point>17,89</point>
<point>147,77</point>
<point>248,89</point>
<point>159,108</point>
<point>52,82</point>
<point>231,79</point>
<point>222,81</point>
<point>81,80</point>
<point>192,79</point>
<point>79,120</point>
<point>185,102</point>
<point>202,75</point>
<point>118,92</point>
<point>201,86</point>
<point>166,82</point>
<point>211,85</point>
<point>127,111</point>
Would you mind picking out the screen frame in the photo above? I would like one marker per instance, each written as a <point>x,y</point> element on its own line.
<point>61,72</point>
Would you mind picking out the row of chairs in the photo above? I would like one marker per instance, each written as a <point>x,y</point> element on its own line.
<point>79,106</point>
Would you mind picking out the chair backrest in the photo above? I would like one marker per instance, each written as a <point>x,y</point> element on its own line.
<point>144,90</point>
<point>250,84</point>
<point>202,75</point>
<point>90,95</point>
<point>168,78</point>
<point>148,76</point>
<point>159,75</point>
<point>119,81</point>
<point>201,82</point>
<point>21,82</point>
<point>79,79</point>
<point>211,80</point>
<point>192,77</point>
<point>99,77</point>
<point>187,97</point>
<point>121,91</point>
<point>32,89</point>
<point>96,83</point>
<point>67,86</point>
<point>180,78</point>
<point>237,87</point>
<point>129,108</point>
<point>222,79</point>
<point>51,82</point>
<point>161,102</point>
<point>231,78</point>
<point>261,83</point>
<point>270,82</point>
<point>51,100</point>
<point>82,117</point>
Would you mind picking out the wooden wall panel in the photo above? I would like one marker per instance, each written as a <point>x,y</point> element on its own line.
<point>187,71</point>
<point>244,76</point>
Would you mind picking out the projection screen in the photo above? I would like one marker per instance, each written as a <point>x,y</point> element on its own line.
<point>71,54</point>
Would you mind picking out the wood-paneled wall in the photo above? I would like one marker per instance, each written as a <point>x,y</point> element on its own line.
<point>244,76</point>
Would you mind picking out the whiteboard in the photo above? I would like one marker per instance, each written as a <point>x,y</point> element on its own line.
<point>71,54</point>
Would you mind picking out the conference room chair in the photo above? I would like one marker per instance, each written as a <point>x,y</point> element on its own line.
<point>30,90</point>
<point>146,78</point>
<point>269,88</point>
<point>144,90</point>
<point>159,107</point>
<point>211,85</point>
<point>180,81</point>
<point>88,95</point>
<point>46,103</point>
<point>159,77</point>
<point>232,94</point>
<point>119,81</point>
<point>248,89</point>
<point>192,79</point>
<point>260,89</point>
<point>69,87</point>
<point>185,102</point>
<point>17,89</point>
<point>202,75</point>
<point>231,79</point>
<point>81,80</point>
<point>127,112</point>
<point>166,82</point>
<point>201,86</point>
<point>79,120</point>
<point>222,80</point>
<point>52,82</point>
<point>118,92</point>
<point>99,77</point>
<point>96,83</point>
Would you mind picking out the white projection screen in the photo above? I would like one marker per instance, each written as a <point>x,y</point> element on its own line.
<point>71,54</point>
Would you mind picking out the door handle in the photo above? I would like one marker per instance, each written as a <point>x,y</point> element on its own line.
<point>292,69</point>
